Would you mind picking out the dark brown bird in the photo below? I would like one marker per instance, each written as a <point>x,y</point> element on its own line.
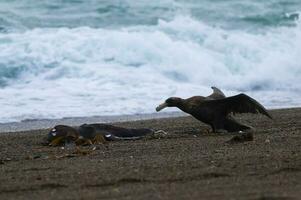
<point>216,109</point>
<point>93,134</point>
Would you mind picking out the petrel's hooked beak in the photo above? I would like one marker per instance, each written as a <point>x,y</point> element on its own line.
<point>161,106</point>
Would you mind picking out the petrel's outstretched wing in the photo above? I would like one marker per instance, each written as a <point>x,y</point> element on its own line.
<point>217,94</point>
<point>240,103</point>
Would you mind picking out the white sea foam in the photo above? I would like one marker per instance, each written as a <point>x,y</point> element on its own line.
<point>61,72</point>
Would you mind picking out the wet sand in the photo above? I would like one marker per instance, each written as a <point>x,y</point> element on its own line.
<point>188,163</point>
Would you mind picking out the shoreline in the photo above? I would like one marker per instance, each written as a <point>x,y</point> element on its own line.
<point>37,124</point>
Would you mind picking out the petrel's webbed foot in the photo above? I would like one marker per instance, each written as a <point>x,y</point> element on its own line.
<point>248,129</point>
<point>243,137</point>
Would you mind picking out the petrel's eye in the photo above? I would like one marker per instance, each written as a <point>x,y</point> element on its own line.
<point>108,135</point>
<point>53,130</point>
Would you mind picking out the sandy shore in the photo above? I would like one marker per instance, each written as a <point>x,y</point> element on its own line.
<point>189,163</point>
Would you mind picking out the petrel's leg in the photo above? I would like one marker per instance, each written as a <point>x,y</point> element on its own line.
<point>231,125</point>
<point>218,126</point>
<point>213,128</point>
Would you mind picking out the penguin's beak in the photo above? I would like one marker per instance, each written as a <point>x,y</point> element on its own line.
<point>161,106</point>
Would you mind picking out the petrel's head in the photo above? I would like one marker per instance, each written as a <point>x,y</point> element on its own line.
<point>170,102</point>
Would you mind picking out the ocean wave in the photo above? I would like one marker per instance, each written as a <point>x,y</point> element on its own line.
<point>274,19</point>
<point>59,72</point>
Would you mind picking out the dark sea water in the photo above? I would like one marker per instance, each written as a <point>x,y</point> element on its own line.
<point>71,58</point>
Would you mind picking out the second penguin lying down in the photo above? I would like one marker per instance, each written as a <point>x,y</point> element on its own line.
<point>94,134</point>
<point>216,109</point>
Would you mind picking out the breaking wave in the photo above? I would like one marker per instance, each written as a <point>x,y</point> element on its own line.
<point>84,71</point>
